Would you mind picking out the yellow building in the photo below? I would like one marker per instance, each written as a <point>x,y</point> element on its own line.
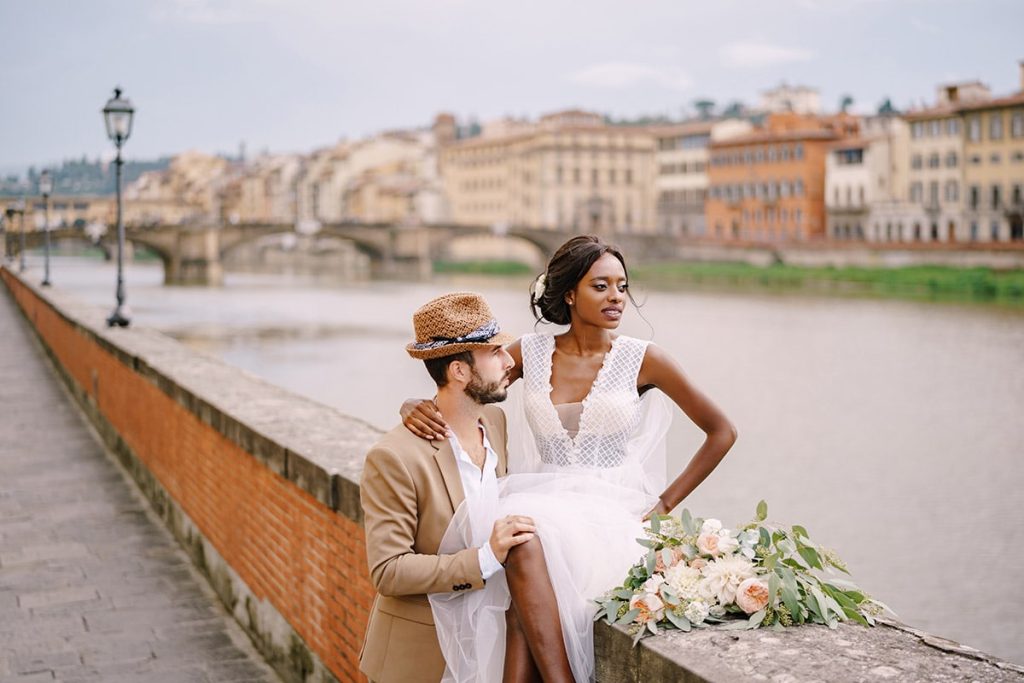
<point>569,171</point>
<point>994,167</point>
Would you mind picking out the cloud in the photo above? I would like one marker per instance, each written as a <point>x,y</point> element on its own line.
<point>753,55</point>
<point>626,74</point>
<point>924,26</point>
<point>210,12</point>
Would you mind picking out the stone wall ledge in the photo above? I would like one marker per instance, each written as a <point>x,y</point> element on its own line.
<point>312,445</point>
<point>847,654</point>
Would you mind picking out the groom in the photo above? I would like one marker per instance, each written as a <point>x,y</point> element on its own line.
<point>411,488</point>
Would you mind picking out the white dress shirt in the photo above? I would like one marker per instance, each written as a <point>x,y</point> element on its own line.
<point>477,482</point>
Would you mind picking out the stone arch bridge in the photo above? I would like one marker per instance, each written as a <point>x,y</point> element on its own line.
<point>194,254</point>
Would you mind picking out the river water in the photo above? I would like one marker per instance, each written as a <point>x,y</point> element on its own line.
<point>893,431</point>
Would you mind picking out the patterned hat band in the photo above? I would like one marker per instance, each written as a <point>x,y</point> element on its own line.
<point>480,335</point>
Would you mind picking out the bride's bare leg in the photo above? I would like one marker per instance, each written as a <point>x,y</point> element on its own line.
<point>536,607</point>
<point>519,664</point>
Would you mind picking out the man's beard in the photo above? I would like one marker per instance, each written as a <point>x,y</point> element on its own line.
<point>485,392</point>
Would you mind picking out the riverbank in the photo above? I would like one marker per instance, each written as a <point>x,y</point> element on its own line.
<point>911,282</point>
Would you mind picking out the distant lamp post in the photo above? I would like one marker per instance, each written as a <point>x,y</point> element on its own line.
<point>117,115</point>
<point>45,188</point>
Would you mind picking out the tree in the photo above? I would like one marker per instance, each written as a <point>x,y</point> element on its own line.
<point>845,102</point>
<point>705,108</point>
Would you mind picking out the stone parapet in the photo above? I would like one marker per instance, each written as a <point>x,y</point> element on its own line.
<point>261,488</point>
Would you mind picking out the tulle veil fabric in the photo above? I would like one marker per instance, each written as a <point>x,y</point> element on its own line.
<point>588,520</point>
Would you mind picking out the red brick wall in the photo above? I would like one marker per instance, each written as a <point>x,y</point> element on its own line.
<point>307,560</point>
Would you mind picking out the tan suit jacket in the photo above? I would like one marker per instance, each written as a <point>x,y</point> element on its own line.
<point>409,491</point>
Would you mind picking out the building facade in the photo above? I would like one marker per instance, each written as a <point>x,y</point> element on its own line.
<point>681,183</point>
<point>866,181</point>
<point>570,171</point>
<point>769,185</point>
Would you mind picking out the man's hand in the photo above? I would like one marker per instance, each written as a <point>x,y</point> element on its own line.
<point>509,532</point>
<point>423,419</point>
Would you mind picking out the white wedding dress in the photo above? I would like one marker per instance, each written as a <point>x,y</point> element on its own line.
<point>586,492</point>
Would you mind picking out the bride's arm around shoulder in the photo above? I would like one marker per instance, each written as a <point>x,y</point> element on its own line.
<point>662,371</point>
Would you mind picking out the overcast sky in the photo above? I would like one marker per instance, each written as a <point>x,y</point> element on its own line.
<point>293,75</point>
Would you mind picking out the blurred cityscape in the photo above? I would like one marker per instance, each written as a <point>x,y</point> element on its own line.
<point>783,170</point>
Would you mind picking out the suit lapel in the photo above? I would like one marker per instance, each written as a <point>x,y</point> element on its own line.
<point>445,459</point>
<point>496,437</point>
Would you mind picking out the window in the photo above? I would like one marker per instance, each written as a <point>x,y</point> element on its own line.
<point>936,128</point>
<point>860,194</point>
<point>772,154</point>
<point>1016,197</point>
<point>933,193</point>
<point>611,176</point>
<point>995,158</point>
<point>994,230</point>
<point>975,196</point>
<point>917,129</point>
<point>758,156</point>
<point>952,191</point>
<point>1017,124</point>
<point>974,128</point>
<point>975,159</point>
<point>951,160</point>
<point>629,176</point>
<point>798,188</point>
<point>995,125</point>
<point>558,174</point>
<point>953,127</point>
<point>576,175</point>
<point>798,151</point>
<point>994,193</point>
<point>916,161</point>
<point>974,231</point>
<point>933,160</point>
<point>915,192</point>
<point>784,154</point>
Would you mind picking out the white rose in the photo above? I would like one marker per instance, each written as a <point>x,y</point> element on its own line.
<point>711,526</point>
<point>697,611</point>
<point>716,611</point>
<point>727,544</point>
<point>653,584</point>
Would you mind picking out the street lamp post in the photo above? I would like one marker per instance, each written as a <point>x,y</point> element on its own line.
<point>117,115</point>
<point>45,188</point>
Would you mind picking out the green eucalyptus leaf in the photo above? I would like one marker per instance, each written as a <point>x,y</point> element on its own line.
<point>800,531</point>
<point>762,511</point>
<point>656,524</point>
<point>651,561</point>
<point>629,616</point>
<point>810,556</point>
<point>679,621</point>
<point>756,618</point>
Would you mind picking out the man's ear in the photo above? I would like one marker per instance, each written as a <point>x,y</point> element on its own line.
<point>458,371</point>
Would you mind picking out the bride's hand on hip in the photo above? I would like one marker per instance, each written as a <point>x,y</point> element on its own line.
<point>508,532</point>
<point>422,418</point>
<point>659,509</point>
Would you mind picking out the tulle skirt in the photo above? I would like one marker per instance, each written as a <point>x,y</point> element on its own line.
<point>588,526</point>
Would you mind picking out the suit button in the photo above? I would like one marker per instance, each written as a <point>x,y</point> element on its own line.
<point>455,588</point>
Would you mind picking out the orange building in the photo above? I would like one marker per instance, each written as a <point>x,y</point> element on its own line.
<point>769,185</point>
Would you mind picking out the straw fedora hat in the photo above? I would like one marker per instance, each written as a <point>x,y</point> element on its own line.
<point>454,323</point>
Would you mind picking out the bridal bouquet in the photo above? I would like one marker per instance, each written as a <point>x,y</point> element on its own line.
<point>697,573</point>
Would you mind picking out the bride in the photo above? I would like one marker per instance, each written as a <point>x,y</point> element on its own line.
<point>586,462</point>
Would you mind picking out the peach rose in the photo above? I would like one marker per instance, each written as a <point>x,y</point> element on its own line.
<point>752,595</point>
<point>650,606</point>
<point>698,563</point>
<point>659,562</point>
<point>708,544</point>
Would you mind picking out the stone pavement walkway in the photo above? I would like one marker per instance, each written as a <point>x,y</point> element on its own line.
<point>92,585</point>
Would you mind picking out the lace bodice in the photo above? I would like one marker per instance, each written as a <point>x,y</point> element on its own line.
<point>610,413</point>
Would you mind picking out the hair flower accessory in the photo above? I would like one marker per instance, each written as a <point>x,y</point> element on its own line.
<point>538,286</point>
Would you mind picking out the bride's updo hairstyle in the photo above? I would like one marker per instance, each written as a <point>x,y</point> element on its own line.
<point>565,270</point>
